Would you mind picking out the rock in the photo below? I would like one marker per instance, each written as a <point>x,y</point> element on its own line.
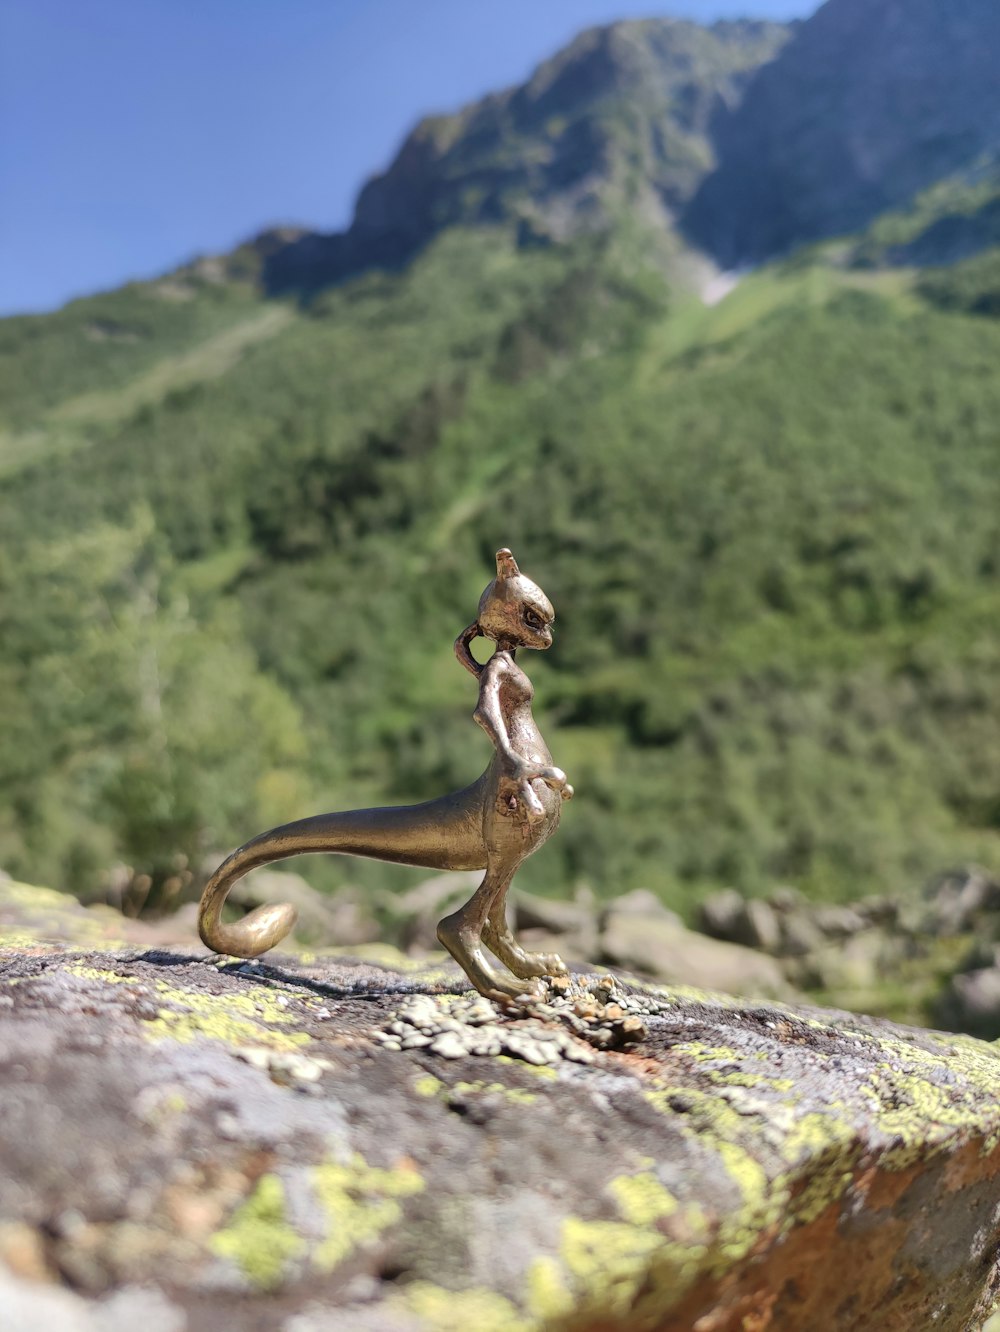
<point>532,912</point>
<point>352,920</point>
<point>971,1002</point>
<point>721,914</point>
<point>412,917</point>
<point>800,935</point>
<point>545,925</point>
<point>662,948</point>
<point>29,1306</point>
<point>745,1165</point>
<point>839,922</point>
<point>958,899</point>
<point>870,104</point>
<point>641,902</point>
<point>751,922</point>
<point>858,963</point>
<point>879,910</point>
<point>786,899</point>
<point>761,929</point>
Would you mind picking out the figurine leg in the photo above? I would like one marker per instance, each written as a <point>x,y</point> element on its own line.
<point>462,933</point>
<point>501,942</point>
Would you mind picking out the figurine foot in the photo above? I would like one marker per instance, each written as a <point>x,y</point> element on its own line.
<point>466,948</point>
<point>526,965</point>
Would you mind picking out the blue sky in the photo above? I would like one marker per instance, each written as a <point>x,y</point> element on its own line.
<point>137,133</point>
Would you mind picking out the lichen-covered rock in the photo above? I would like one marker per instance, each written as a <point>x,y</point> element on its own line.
<point>193,1142</point>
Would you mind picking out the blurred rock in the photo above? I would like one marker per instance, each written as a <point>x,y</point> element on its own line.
<point>351,915</point>
<point>720,913</point>
<point>839,922</point>
<point>857,963</point>
<point>342,918</point>
<point>761,927</point>
<point>661,947</point>
<point>530,912</point>
<point>641,902</point>
<point>411,918</point>
<point>751,922</point>
<point>786,898</point>
<point>800,935</point>
<point>543,925</point>
<point>879,910</point>
<point>971,1003</point>
<point>959,898</point>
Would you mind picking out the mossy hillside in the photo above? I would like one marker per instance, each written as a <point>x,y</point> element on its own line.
<point>768,531</point>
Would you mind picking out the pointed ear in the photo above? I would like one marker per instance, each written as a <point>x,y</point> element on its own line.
<point>506,564</point>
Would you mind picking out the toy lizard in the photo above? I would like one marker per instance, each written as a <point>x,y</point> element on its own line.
<point>493,824</point>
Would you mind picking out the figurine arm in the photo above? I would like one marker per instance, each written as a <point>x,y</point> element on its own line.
<point>464,653</point>
<point>518,773</point>
<point>489,716</point>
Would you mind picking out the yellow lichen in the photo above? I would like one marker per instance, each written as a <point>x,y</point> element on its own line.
<point>627,1271</point>
<point>233,1018</point>
<point>360,1202</point>
<point>259,1238</point>
<point>642,1199</point>
<point>548,1295</point>
<point>608,1262</point>
<point>544,1071</point>
<point>99,974</point>
<point>53,919</point>
<point>459,1311</point>
<point>516,1095</point>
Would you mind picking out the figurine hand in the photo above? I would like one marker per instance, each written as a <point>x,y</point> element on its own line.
<point>520,775</point>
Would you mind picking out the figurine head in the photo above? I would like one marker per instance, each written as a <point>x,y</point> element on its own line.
<point>513,610</point>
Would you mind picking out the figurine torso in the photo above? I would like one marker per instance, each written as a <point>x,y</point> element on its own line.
<point>515,697</point>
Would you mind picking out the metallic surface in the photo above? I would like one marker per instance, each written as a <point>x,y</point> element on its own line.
<point>492,825</point>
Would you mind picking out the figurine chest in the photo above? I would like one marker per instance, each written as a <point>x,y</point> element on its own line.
<point>515,688</point>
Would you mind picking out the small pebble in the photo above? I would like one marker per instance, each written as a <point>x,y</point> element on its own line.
<point>449,1046</point>
<point>573,1017</point>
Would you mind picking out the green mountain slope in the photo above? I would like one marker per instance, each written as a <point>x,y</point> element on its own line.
<point>769,530</point>
<point>240,531</point>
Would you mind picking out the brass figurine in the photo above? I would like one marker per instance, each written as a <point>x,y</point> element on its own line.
<point>492,825</point>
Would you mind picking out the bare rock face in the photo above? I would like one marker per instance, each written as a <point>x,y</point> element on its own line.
<point>871,102</point>
<point>192,1142</point>
<point>620,119</point>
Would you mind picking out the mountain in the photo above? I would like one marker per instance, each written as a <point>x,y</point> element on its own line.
<point>246,507</point>
<point>620,121</point>
<point>746,138</point>
<point>870,103</point>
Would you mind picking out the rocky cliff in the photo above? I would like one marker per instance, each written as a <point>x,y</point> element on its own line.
<point>870,103</point>
<point>755,137</point>
<point>316,1142</point>
<point>619,122</point>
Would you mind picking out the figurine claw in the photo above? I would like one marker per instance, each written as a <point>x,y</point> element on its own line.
<point>527,966</point>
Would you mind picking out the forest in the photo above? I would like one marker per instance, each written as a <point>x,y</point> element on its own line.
<point>241,533</point>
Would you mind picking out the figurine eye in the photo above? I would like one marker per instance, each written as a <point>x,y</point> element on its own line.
<point>532,619</point>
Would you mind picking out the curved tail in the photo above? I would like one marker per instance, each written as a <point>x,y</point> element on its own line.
<point>440,834</point>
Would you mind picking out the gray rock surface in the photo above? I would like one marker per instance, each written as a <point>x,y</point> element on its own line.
<point>189,1142</point>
